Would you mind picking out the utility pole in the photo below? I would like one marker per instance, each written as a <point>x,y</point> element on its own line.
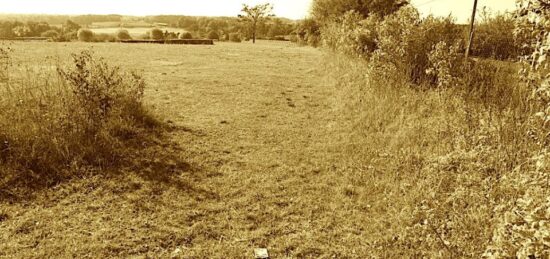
<point>471,40</point>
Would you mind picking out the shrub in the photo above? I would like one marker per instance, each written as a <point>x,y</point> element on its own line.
<point>85,116</point>
<point>69,36</point>
<point>308,31</point>
<point>156,34</point>
<point>85,35</point>
<point>123,35</point>
<point>213,35</point>
<point>352,35</point>
<point>235,37</point>
<point>186,36</point>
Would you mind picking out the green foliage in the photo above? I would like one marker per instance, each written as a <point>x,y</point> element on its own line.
<point>85,35</point>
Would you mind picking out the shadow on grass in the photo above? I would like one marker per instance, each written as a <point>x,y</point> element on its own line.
<point>150,155</point>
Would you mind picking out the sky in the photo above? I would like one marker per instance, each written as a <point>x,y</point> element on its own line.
<point>461,9</point>
<point>294,9</point>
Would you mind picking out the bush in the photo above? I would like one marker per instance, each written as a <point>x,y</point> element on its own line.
<point>352,35</point>
<point>123,35</point>
<point>308,31</point>
<point>213,35</point>
<point>69,36</point>
<point>186,36</point>
<point>235,37</point>
<point>156,34</point>
<point>84,117</point>
<point>85,35</point>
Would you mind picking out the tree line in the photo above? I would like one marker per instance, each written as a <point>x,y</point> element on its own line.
<point>64,28</point>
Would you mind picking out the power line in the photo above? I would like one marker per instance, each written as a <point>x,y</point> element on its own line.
<point>425,3</point>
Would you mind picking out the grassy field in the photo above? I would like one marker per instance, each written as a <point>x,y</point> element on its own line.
<point>252,160</point>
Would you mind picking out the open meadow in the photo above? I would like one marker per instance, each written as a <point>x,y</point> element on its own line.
<point>249,162</point>
<point>381,129</point>
<point>212,151</point>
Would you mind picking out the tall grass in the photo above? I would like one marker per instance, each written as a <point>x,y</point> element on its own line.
<point>451,150</point>
<point>440,161</point>
<point>58,121</point>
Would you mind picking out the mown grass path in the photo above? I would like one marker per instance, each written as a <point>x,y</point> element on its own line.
<point>252,161</point>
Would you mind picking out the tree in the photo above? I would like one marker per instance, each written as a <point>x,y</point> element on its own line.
<point>328,10</point>
<point>186,36</point>
<point>254,15</point>
<point>70,26</point>
<point>156,34</point>
<point>213,35</point>
<point>85,35</point>
<point>123,35</point>
<point>22,31</point>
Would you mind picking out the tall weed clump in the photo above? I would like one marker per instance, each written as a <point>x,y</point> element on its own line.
<point>58,122</point>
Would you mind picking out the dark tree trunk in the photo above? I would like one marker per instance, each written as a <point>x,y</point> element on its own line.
<point>254,28</point>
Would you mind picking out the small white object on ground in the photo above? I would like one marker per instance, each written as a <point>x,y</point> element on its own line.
<point>261,253</point>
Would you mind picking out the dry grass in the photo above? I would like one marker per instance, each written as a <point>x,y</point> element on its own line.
<point>270,148</point>
<point>250,163</point>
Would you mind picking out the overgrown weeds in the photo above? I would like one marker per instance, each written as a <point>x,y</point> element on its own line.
<point>60,121</point>
<point>461,145</point>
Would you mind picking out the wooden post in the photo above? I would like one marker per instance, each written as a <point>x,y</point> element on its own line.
<point>471,39</point>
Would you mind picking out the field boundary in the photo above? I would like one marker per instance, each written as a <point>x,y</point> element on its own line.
<point>178,41</point>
